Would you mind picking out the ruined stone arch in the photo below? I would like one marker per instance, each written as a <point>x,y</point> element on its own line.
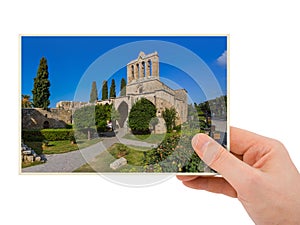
<point>46,124</point>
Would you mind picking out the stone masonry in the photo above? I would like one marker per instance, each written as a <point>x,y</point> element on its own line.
<point>37,118</point>
<point>59,117</point>
<point>143,81</point>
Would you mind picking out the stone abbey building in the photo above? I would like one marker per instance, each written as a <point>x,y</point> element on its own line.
<point>143,82</point>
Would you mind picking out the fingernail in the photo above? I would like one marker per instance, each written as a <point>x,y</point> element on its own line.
<point>198,142</point>
<point>195,140</point>
<point>205,148</point>
<point>210,150</point>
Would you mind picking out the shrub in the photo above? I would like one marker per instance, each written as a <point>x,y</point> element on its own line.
<point>177,128</point>
<point>57,134</point>
<point>45,143</point>
<point>140,116</point>
<point>174,154</point>
<point>92,118</point>
<point>80,134</point>
<point>69,126</point>
<point>169,116</point>
<point>47,134</point>
<point>101,126</point>
<point>32,135</point>
<point>72,139</point>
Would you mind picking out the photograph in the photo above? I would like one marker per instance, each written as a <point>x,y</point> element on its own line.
<point>121,104</point>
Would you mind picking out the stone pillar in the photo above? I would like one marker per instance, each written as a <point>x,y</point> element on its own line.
<point>155,67</point>
<point>129,74</point>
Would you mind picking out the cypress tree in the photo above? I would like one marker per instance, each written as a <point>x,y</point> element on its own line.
<point>94,93</point>
<point>41,92</point>
<point>104,90</point>
<point>112,90</point>
<point>123,87</point>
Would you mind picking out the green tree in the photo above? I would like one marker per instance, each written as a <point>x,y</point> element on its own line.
<point>169,116</point>
<point>102,115</point>
<point>94,93</point>
<point>140,116</point>
<point>41,92</point>
<point>84,120</point>
<point>26,103</point>
<point>112,90</point>
<point>123,87</point>
<point>204,113</point>
<point>104,90</point>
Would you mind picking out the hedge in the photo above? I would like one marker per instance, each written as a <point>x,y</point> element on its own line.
<point>47,134</point>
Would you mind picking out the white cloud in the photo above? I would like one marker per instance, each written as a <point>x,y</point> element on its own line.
<point>222,60</point>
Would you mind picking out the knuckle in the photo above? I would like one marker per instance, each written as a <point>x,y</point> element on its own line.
<point>273,143</point>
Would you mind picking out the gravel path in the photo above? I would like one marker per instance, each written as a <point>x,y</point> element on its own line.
<point>136,143</point>
<point>68,162</point>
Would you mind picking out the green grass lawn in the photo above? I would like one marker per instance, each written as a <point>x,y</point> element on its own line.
<point>57,147</point>
<point>134,156</point>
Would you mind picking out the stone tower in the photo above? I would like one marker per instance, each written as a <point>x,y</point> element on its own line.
<point>143,81</point>
<point>142,68</point>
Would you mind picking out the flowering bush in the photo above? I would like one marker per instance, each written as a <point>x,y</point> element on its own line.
<point>174,154</point>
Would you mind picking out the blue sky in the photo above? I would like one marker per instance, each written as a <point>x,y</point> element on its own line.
<point>71,58</point>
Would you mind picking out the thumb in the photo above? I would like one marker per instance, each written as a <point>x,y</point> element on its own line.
<point>215,156</point>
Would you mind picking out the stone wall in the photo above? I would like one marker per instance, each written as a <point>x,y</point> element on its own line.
<point>37,118</point>
<point>181,94</point>
<point>69,105</point>
<point>162,98</point>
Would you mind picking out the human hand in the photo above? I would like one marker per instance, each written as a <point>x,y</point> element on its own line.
<point>258,171</point>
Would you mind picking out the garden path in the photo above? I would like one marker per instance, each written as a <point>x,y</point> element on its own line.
<point>68,162</point>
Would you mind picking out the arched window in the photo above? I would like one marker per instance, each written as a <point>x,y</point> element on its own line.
<point>143,69</point>
<point>138,70</point>
<point>149,64</point>
<point>132,71</point>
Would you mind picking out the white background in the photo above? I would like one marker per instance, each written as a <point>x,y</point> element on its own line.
<point>264,71</point>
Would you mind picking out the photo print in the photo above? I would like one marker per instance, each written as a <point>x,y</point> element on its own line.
<point>121,104</point>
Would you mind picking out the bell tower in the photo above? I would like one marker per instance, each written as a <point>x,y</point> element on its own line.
<point>143,68</point>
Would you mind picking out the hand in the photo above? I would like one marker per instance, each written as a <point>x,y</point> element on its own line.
<point>258,171</point>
